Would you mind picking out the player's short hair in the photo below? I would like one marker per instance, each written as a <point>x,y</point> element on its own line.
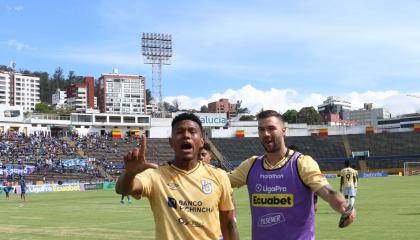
<point>269,113</point>
<point>187,116</point>
<point>347,163</point>
<point>207,147</point>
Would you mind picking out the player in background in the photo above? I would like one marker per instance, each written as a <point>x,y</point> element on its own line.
<point>205,153</point>
<point>128,199</point>
<point>348,183</point>
<point>22,183</point>
<point>7,189</point>
<point>189,199</point>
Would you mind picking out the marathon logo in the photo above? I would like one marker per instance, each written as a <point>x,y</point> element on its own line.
<point>271,219</point>
<point>272,200</point>
<point>271,176</point>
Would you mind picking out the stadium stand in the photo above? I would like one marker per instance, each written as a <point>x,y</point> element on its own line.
<point>388,151</point>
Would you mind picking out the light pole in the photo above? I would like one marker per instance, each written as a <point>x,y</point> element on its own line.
<point>157,50</point>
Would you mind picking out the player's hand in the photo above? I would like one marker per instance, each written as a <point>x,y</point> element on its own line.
<point>349,220</point>
<point>135,161</point>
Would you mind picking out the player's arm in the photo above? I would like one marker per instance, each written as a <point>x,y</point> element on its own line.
<point>312,177</point>
<point>239,175</point>
<point>341,182</point>
<point>228,225</point>
<point>227,209</point>
<point>134,163</point>
<point>336,201</point>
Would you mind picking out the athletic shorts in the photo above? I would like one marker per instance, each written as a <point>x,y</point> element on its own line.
<point>349,191</point>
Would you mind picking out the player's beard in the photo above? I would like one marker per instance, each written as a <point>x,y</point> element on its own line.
<point>276,146</point>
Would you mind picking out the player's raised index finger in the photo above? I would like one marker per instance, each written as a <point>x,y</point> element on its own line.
<point>135,154</point>
<point>143,145</point>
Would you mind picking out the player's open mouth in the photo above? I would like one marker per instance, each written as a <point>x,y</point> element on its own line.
<point>186,146</point>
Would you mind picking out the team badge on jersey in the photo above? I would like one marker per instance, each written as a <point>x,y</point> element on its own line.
<point>206,186</point>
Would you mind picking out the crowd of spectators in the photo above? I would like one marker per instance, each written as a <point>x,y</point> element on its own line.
<point>48,153</point>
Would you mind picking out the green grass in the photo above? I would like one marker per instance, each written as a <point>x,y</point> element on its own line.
<point>387,208</point>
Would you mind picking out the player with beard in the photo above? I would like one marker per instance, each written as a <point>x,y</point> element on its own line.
<point>281,184</point>
<point>189,199</point>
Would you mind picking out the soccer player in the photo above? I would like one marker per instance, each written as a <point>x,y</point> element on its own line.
<point>128,199</point>
<point>281,184</point>
<point>348,183</point>
<point>205,154</point>
<point>22,184</point>
<point>7,189</point>
<point>189,199</point>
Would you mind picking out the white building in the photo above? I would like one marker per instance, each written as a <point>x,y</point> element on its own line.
<point>17,89</point>
<point>151,108</point>
<point>368,115</point>
<point>122,94</point>
<point>4,88</point>
<point>59,98</point>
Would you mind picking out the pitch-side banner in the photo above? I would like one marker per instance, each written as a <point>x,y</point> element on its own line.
<point>55,188</point>
<point>17,170</point>
<point>373,174</point>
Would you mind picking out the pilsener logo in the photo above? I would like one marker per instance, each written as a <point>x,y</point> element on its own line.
<point>272,200</point>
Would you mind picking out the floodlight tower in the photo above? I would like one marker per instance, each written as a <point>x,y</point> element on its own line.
<point>157,50</point>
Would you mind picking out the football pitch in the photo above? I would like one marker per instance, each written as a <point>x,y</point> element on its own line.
<point>387,208</point>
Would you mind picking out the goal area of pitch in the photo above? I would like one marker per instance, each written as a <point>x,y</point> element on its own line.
<point>411,168</point>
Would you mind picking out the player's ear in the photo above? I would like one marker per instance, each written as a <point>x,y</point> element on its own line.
<point>201,142</point>
<point>284,130</point>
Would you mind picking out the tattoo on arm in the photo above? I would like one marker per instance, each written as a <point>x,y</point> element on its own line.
<point>232,225</point>
<point>330,190</point>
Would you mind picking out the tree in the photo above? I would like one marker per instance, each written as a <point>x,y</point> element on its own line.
<point>168,107</point>
<point>261,110</point>
<point>290,116</point>
<point>239,109</point>
<point>176,104</point>
<point>71,78</point>
<point>149,97</point>
<point>42,107</point>
<point>204,109</point>
<point>44,87</point>
<point>247,118</point>
<point>57,79</point>
<point>309,116</point>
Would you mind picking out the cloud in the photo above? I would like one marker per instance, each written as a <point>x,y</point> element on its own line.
<point>18,45</point>
<point>18,8</point>
<point>284,99</point>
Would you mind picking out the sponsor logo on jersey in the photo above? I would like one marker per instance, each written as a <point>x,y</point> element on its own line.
<point>271,176</point>
<point>271,219</point>
<point>272,200</point>
<point>206,186</point>
<point>269,189</point>
<point>172,203</point>
<point>192,223</point>
<point>173,186</point>
<point>189,206</point>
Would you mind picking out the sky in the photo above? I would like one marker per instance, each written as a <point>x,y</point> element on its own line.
<point>270,54</point>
